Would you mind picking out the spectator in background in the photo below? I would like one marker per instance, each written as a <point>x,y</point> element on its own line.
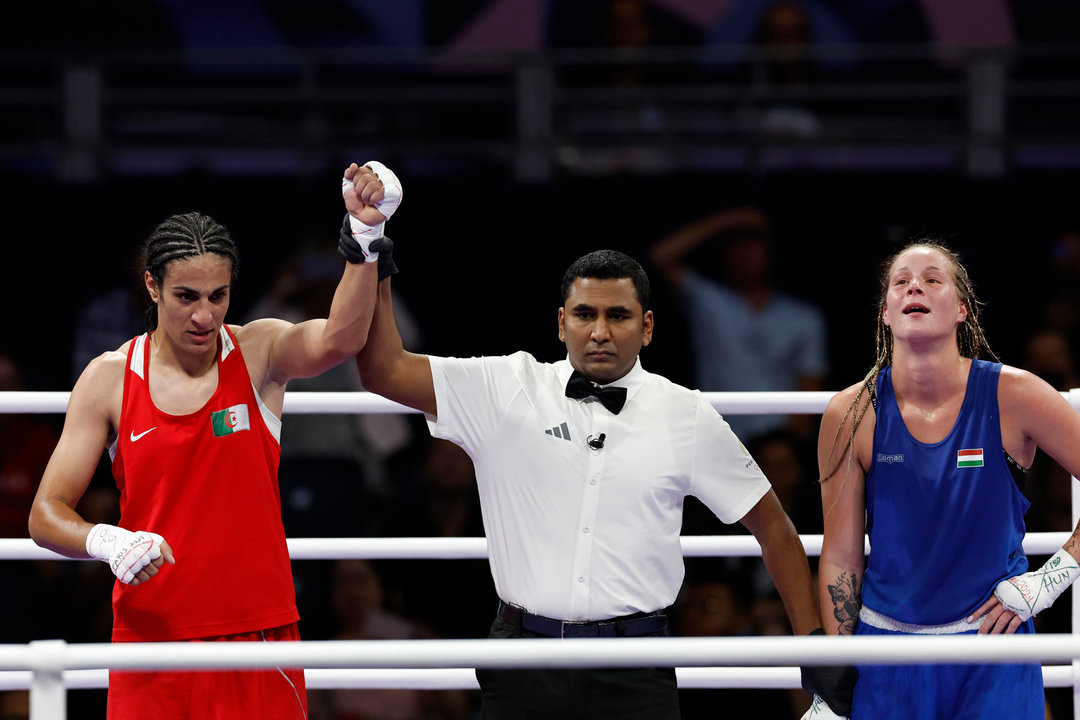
<point>26,443</point>
<point>1052,288</point>
<point>781,458</point>
<point>712,605</point>
<point>1062,284</point>
<point>43,605</point>
<point>356,595</point>
<point>1049,486</point>
<point>627,24</point>
<point>330,472</point>
<point>440,499</point>
<point>109,319</point>
<point>784,29</point>
<point>746,334</point>
<point>332,475</point>
<point>15,704</point>
<point>785,34</point>
<point>1048,353</point>
<point>624,26</point>
<point>768,617</point>
<point>638,132</point>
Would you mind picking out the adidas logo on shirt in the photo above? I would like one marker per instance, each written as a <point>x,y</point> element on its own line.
<point>559,431</point>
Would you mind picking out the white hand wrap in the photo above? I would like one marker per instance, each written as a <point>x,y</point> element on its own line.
<point>126,552</point>
<point>1031,593</point>
<point>363,233</point>
<point>820,710</point>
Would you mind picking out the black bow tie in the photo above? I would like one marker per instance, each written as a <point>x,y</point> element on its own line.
<point>580,387</point>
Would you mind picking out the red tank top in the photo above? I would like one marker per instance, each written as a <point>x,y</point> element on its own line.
<point>206,482</point>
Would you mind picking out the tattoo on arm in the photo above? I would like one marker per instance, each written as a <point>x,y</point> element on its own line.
<point>846,602</point>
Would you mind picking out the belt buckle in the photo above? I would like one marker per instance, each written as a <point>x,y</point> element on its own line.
<point>565,624</point>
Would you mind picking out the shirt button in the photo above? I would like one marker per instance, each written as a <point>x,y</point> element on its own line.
<point>593,481</point>
<point>581,579</point>
<point>585,530</point>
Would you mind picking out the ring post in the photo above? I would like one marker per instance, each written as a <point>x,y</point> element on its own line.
<point>48,693</point>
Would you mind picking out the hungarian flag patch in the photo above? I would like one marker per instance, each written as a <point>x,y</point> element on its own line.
<point>969,458</point>
<point>230,420</point>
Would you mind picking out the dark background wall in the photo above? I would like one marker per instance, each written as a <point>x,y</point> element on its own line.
<point>498,114</point>
<point>481,257</point>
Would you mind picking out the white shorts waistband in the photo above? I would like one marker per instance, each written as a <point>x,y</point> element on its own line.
<point>884,622</point>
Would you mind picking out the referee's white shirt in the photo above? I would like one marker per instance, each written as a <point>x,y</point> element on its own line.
<point>576,533</point>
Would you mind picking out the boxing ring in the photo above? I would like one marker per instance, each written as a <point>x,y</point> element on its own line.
<point>49,668</point>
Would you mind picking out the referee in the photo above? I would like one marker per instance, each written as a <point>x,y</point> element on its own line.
<point>582,467</point>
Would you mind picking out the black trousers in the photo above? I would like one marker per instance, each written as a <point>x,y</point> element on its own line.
<point>576,694</point>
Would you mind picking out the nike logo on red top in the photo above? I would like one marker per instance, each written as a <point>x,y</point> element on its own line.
<point>135,437</point>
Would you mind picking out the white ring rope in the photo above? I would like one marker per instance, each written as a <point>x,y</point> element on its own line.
<point>473,548</point>
<point>736,403</point>
<point>365,402</point>
<point>731,403</point>
<point>775,650</point>
<point>449,664</point>
<point>692,678</point>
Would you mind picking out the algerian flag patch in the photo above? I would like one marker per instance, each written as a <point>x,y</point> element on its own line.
<point>969,458</point>
<point>230,420</point>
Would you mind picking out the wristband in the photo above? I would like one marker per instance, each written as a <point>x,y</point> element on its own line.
<point>383,249</point>
<point>363,236</point>
<point>1031,593</point>
<point>348,247</point>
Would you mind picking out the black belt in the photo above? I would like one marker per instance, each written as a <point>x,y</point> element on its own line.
<point>628,626</point>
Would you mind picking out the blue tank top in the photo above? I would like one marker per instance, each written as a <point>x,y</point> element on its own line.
<point>945,520</point>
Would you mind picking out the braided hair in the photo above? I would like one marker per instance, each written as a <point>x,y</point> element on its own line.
<point>184,236</point>
<point>970,338</point>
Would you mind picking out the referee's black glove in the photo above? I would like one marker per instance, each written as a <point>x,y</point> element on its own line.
<point>385,247</point>
<point>833,684</point>
<point>349,250</point>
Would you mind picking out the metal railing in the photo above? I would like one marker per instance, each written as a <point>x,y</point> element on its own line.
<point>87,116</point>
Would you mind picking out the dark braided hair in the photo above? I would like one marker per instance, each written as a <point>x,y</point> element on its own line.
<point>970,338</point>
<point>184,236</point>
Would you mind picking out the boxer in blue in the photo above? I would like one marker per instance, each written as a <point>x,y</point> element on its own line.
<point>928,454</point>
